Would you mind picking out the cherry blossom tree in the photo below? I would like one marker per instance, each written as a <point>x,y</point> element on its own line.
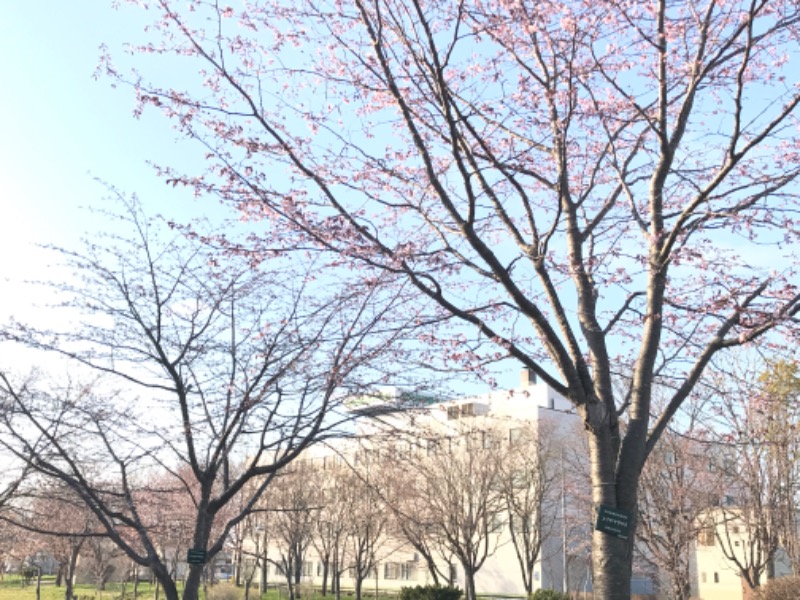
<point>590,188</point>
<point>169,511</point>
<point>412,516</point>
<point>101,558</point>
<point>50,519</point>
<point>8,534</point>
<point>232,361</point>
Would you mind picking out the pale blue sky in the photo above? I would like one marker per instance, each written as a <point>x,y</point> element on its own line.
<point>60,129</point>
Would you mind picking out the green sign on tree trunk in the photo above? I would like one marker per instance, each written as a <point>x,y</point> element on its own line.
<point>613,521</point>
<point>196,556</point>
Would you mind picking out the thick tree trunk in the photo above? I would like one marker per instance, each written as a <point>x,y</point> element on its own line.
<point>69,577</point>
<point>325,568</point>
<point>612,557</point>
<point>290,583</point>
<point>469,584</point>
<point>432,569</point>
<point>359,583</point>
<point>191,590</point>
<point>264,566</point>
<point>612,564</point>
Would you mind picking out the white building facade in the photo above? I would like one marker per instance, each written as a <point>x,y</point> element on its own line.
<point>469,442</point>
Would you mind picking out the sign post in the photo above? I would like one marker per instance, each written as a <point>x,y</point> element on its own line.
<point>613,521</point>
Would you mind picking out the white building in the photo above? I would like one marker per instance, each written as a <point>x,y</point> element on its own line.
<point>494,423</point>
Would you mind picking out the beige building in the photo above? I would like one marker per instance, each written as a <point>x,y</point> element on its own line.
<point>722,549</point>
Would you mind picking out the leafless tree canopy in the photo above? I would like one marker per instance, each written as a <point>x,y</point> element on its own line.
<point>215,372</point>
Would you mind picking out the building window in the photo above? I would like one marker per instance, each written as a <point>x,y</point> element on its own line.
<point>703,577</point>
<point>319,569</point>
<point>669,458</point>
<point>408,571</point>
<point>551,403</point>
<point>707,537</point>
<point>716,577</point>
<point>453,412</point>
<point>308,568</point>
<point>515,436</point>
<point>391,570</point>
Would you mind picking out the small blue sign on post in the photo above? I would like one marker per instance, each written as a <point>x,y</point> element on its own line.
<point>613,521</point>
<point>196,556</point>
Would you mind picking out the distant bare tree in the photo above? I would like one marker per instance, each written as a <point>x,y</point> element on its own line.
<point>758,421</point>
<point>332,521</point>
<point>458,475</point>
<point>529,478</point>
<point>291,517</point>
<point>412,517</point>
<point>366,526</point>
<point>677,490</point>
<point>231,355</point>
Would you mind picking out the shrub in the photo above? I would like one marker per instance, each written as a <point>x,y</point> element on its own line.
<point>430,592</point>
<point>783,588</point>
<point>549,595</point>
<point>224,591</point>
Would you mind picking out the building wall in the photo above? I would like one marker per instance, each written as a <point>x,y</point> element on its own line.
<point>716,577</point>
<point>530,405</point>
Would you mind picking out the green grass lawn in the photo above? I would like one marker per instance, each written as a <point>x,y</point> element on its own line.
<point>12,588</point>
